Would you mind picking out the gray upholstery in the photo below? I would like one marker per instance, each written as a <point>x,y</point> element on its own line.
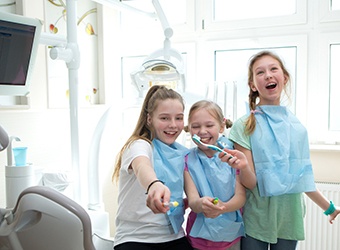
<point>45,219</point>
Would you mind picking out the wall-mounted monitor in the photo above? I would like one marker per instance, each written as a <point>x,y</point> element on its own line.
<point>19,41</point>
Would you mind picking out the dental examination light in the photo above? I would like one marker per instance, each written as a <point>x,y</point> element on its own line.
<point>162,67</point>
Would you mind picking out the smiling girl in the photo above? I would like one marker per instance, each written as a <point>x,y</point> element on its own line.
<point>213,223</point>
<point>277,148</point>
<point>150,169</point>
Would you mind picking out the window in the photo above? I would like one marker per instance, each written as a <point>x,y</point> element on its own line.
<point>329,10</point>
<point>228,10</point>
<point>335,4</point>
<point>218,53</point>
<point>243,14</point>
<point>334,101</point>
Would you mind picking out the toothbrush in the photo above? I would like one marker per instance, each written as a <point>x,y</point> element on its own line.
<point>215,201</point>
<point>197,139</point>
<point>170,204</point>
<point>221,144</point>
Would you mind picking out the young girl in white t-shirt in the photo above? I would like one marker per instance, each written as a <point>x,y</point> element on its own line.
<point>149,170</point>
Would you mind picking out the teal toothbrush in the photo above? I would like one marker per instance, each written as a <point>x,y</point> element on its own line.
<point>197,139</point>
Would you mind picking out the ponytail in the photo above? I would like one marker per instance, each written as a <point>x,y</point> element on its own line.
<point>251,122</point>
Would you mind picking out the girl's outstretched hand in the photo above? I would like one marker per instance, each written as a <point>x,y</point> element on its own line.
<point>234,158</point>
<point>157,195</point>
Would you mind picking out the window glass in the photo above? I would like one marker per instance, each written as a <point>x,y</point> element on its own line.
<point>247,9</point>
<point>334,118</point>
<point>231,90</point>
<point>335,4</point>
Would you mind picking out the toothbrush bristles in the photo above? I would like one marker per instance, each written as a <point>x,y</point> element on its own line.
<point>196,137</point>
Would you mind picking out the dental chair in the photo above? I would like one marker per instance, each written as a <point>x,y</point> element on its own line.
<point>45,219</point>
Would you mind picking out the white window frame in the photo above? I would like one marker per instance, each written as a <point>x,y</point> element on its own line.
<point>300,17</point>
<point>319,87</point>
<point>326,14</point>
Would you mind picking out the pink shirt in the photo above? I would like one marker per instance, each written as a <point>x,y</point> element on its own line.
<point>200,243</point>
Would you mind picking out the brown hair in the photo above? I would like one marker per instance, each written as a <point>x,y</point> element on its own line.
<point>213,110</point>
<point>155,95</point>
<point>253,95</point>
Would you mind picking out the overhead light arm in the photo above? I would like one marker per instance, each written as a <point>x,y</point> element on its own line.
<point>168,32</point>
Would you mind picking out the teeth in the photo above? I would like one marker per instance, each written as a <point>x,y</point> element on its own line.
<point>170,133</point>
<point>204,140</point>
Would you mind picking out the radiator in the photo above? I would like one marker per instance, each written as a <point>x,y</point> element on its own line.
<point>319,233</point>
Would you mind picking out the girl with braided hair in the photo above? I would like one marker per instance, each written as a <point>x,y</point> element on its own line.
<point>276,145</point>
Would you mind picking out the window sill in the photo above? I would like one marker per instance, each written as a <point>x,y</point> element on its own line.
<point>325,147</point>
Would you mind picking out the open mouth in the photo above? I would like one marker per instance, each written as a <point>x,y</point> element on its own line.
<point>205,140</point>
<point>271,86</point>
<point>170,133</point>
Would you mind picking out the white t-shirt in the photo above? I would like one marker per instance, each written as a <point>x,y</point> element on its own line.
<point>134,220</point>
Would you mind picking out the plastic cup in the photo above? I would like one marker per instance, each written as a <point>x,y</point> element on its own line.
<point>20,156</point>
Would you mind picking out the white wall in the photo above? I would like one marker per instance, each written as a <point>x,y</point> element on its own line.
<point>326,164</point>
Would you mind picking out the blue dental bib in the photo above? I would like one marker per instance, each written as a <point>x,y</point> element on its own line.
<point>169,167</point>
<point>214,178</point>
<point>281,153</point>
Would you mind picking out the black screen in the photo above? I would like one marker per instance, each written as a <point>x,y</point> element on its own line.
<point>16,41</point>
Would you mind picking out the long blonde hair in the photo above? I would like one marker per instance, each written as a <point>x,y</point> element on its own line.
<point>155,95</point>
<point>253,95</point>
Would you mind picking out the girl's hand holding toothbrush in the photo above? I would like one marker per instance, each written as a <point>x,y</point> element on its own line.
<point>158,193</point>
<point>234,158</point>
<point>211,208</point>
